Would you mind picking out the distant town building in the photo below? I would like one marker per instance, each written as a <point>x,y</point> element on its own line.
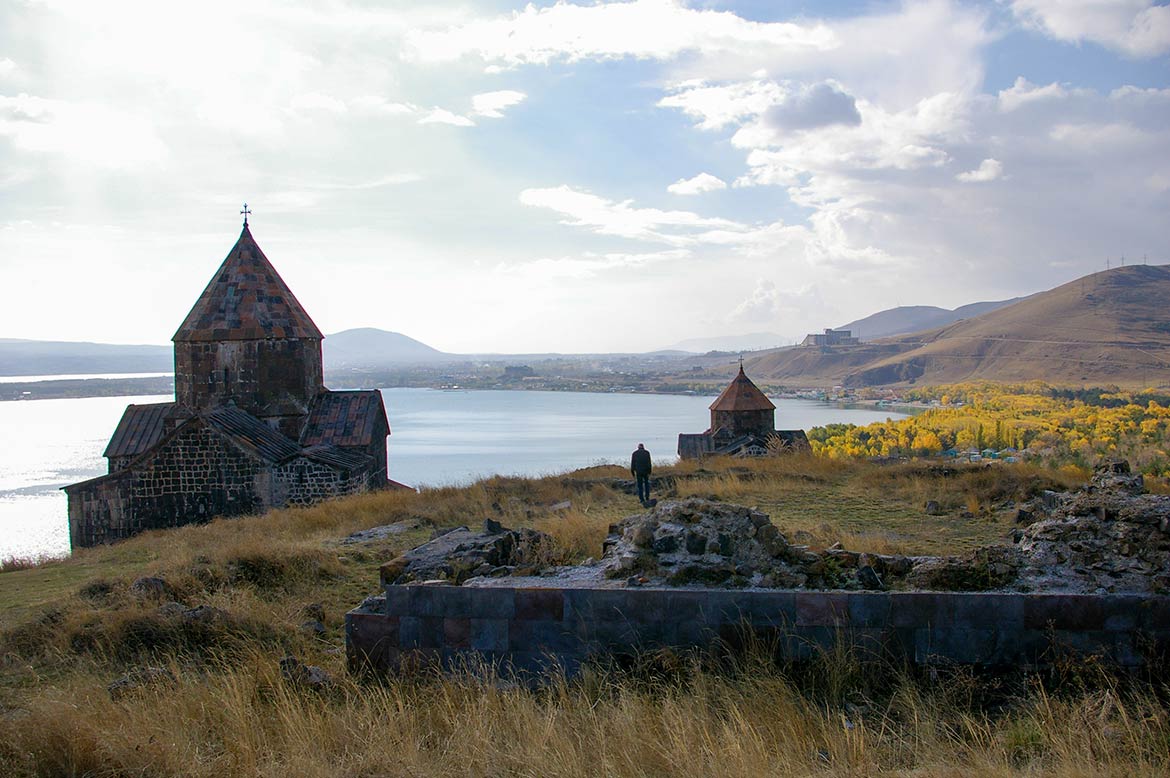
<point>743,423</point>
<point>252,426</point>
<point>831,337</point>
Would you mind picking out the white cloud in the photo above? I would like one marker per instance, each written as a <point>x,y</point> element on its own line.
<point>718,105</point>
<point>443,116</point>
<point>645,29</point>
<point>314,101</point>
<point>7,67</point>
<point>760,306</point>
<point>607,217</point>
<point>1023,92</point>
<point>813,106</point>
<point>492,104</point>
<point>703,182</point>
<point>375,104</point>
<point>1139,28</point>
<point>588,265</point>
<point>87,132</point>
<point>988,170</point>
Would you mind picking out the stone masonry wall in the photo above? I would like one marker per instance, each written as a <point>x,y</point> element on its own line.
<point>526,629</point>
<point>263,377</point>
<point>304,482</point>
<point>191,478</point>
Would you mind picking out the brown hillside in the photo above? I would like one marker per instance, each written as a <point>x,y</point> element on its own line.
<point>1109,327</point>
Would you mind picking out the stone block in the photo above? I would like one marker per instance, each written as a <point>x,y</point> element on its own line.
<point>963,645</point>
<point>869,610</point>
<point>596,605</point>
<point>1065,612</point>
<point>821,609</point>
<point>986,611</point>
<point>1156,615</point>
<point>723,607</point>
<point>489,635</point>
<point>684,606</point>
<point>457,633</point>
<point>538,605</point>
<point>420,632</point>
<point>490,603</point>
<point>398,601</point>
<point>542,636</point>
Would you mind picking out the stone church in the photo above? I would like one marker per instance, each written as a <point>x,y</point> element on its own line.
<point>252,426</point>
<point>743,423</point>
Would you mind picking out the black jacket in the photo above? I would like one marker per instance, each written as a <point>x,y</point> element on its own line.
<point>640,462</point>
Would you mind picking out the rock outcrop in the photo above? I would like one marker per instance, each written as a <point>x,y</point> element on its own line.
<point>460,553</point>
<point>719,544</point>
<point>1107,537</point>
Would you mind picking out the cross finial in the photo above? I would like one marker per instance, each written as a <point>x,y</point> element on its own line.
<point>246,211</point>
<point>741,361</point>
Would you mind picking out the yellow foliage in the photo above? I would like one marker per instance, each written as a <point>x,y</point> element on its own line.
<point>1030,420</point>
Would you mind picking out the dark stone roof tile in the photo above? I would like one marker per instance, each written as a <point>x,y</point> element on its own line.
<point>345,419</point>
<point>246,300</point>
<point>742,395</point>
<point>246,429</point>
<point>141,427</point>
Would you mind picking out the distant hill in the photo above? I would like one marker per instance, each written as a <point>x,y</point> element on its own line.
<point>915,318</point>
<point>1109,327</point>
<point>51,357</point>
<point>752,341</point>
<point>369,347</point>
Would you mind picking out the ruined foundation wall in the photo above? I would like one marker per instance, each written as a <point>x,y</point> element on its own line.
<point>526,628</point>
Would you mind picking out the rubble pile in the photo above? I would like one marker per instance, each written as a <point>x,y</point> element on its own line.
<point>1108,537</point>
<point>458,554</point>
<point>719,544</point>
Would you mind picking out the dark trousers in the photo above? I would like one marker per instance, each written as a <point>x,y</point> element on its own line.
<point>643,487</point>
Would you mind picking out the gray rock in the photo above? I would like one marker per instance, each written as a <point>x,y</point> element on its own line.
<point>171,610</point>
<point>149,587</point>
<point>308,676</point>
<point>381,533</point>
<point>867,578</point>
<point>205,614</point>
<point>460,554</point>
<point>932,508</point>
<point>313,627</point>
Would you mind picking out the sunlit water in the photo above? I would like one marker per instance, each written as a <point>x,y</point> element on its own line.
<point>437,438</point>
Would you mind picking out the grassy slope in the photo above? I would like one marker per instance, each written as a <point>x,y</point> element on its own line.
<point>68,628</point>
<point>1109,327</point>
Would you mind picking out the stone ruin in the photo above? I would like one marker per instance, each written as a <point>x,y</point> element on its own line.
<point>1109,537</point>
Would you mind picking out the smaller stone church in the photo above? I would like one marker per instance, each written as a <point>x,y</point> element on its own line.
<point>252,426</point>
<point>743,423</point>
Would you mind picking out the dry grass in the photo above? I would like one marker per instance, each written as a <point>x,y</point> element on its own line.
<point>69,627</point>
<point>239,718</point>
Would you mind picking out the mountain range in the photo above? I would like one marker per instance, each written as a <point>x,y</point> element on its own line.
<point>916,318</point>
<point>1109,327</point>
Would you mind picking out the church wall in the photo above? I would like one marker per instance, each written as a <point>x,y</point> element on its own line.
<point>98,512</point>
<point>194,476</point>
<point>744,422</point>
<point>302,481</point>
<point>263,377</point>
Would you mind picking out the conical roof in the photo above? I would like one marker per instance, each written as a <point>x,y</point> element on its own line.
<point>246,300</point>
<point>742,395</point>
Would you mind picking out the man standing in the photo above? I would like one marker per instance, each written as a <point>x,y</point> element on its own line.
<point>640,469</point>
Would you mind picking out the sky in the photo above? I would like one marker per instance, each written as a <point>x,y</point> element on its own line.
<point>573,176</point>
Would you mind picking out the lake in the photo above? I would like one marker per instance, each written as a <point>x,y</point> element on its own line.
<point>438,438</point>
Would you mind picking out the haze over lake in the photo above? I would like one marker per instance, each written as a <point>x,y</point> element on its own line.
<point>438,438</point>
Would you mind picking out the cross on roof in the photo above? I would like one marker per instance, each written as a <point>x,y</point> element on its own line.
<point>246,211</point>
